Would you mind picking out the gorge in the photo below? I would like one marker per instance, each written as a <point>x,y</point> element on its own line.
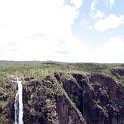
<point>65,98</point>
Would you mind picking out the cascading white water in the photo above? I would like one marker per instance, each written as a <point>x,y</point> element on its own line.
<point>19,104</point>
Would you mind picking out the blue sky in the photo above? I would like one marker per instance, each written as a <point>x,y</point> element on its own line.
<point>62,30</point>
<point>86,19</point>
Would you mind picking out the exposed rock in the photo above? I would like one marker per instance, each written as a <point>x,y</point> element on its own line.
<point>119,72</point>
<point>7,93</point>
<point>67,99</point>
<point>97,97</point>
<point>46,98</point>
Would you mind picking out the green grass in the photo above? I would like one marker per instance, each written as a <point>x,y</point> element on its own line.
<point>39,69</point>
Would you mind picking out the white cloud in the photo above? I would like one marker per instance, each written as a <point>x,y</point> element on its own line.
<point>77,3</point>
<point>93,4</point>
<point>99,14</point>
<point>41,30</point>
<point>102,21</point>
<point>111,22</point>
<point>110,3</point>
<point>96,16</point>
<point>112,51</point>
<point>36,30</point>
<point>84,23</point>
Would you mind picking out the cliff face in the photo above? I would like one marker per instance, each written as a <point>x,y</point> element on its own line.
<point>71,99</point>
<point>7,94</point>
<point>99,98</point>
<point>45,102</point>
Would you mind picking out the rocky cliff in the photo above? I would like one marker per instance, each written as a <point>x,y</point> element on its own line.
<point>64,98</point>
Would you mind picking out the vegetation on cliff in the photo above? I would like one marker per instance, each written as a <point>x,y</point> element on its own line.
<point>39,69</point>
<point>64,93</point>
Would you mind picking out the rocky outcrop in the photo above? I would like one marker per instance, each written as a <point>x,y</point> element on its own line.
<point>99,98</point>
<point>45,102</point>
<point>69,99</point>
<point>7,93</point>
<point>118,72</point>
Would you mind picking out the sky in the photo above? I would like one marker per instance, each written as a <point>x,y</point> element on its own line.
<point>62,30</point>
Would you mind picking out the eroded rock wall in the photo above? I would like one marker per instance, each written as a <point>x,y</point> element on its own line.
<point>99,98</point>
<point>68,99</point>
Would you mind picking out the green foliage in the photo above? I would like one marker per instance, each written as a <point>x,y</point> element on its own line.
<point>39,69</point>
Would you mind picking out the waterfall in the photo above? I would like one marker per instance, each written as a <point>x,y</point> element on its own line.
<point>19,104</point>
